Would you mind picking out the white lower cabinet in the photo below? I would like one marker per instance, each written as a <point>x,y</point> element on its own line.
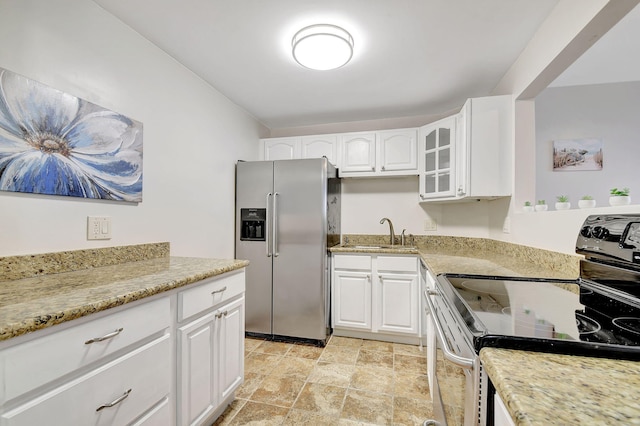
<point>399,303</point>
<point>117,367</point>
<point>352,300</point>
<point>160,415</point>
<point>500,413</point>
<point>210,356</point>
<point>376,294</point>
<point>115,393</point>
<point>110,370</point>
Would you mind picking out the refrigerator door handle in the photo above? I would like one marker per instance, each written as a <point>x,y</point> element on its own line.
<point>275,224</point>
<point>266,231</point>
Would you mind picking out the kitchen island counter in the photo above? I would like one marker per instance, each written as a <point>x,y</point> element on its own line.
<point>54,288</point>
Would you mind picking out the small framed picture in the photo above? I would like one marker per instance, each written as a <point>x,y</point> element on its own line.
<point>572,155</point>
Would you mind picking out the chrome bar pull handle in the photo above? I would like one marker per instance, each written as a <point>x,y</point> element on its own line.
<point>275,224</point>
<point>116,401</point>
<point>465,363</point>
<point>268,221</point>
<point>105,337</point>
<point>222,290</point>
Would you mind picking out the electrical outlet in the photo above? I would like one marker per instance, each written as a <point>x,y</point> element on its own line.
<point>506,226</point>
<point>430,225</point>
<point>98,228</point>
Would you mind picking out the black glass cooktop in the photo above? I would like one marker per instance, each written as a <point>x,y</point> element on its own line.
<point>562,316</point>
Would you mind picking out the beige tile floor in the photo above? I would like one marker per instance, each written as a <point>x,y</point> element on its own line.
<point>349,382</point>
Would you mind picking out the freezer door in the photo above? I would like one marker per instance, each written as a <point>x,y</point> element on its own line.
<point>254,183</point>
<point>300,287</point>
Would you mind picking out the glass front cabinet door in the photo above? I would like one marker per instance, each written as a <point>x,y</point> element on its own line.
<point>437,159</point>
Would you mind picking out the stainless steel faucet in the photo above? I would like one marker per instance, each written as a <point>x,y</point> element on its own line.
<point>392,235</point>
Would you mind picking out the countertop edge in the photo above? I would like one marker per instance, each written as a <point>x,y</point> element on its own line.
<point>547,388</point>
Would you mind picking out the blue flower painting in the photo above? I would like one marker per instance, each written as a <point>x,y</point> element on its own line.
<point>54,143</point>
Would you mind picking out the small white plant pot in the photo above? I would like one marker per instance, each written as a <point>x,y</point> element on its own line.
<point>619,200</point>
<point>541,207</point>
<point>563,206</point>
<point>586,204</point>
<point>528,209</point>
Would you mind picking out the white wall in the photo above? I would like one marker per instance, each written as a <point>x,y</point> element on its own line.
<point>605,111</point>
<point>192,134</point>
<point>571,29</point>
<point>366,201</point>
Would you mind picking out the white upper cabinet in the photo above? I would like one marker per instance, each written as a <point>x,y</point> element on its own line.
<point>358,153</point>
<point>383,153</point>
<point>398,151</point>
<point>292,148</point>
<point>478,163</point>
<point>281,148</point>
<point>437,165</point>
<point>320,146</point>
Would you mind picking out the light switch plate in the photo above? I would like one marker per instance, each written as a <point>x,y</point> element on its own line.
<point>98,228</point>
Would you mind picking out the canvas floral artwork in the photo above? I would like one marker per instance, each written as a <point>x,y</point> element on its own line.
<point>55,143</point>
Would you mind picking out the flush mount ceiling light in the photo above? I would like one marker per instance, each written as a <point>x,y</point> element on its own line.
<point>322,47</point>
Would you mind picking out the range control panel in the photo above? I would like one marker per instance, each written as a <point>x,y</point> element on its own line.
<point>615,237</point>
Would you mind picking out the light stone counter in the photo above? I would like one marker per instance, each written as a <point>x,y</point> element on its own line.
<point>549,389</point>
<point>40,291</point>
<point>463,255</point>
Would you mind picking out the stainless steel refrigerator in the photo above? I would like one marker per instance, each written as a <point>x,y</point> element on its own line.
<point>287,215</point>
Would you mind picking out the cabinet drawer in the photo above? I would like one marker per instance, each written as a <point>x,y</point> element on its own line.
<point>146,371</point>
<point>352,261</point>
<point>37,362</point>
<point>210,293</point>
<point>398,263</point>
<point>159,415</point>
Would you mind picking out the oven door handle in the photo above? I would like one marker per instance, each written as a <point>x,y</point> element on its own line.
<point>465,363</point>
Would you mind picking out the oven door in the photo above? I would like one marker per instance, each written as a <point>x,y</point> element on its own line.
<point>456,379</point>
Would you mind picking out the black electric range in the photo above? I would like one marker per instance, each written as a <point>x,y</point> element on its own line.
<point>595,315</point>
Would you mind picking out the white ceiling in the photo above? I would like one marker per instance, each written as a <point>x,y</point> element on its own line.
<point>412,57</point>
<point>614,58</point>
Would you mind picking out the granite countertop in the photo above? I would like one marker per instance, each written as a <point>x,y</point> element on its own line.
<point>34,299</point>
<point>40,291</point>
<point>550,389</point>
<point>463,255</point>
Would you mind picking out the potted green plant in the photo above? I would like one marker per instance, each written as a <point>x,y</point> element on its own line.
<point>562,202</point>
<point>586,202</point>
<point>619,197</point>
<point>527,208</point>
<point>541,206</point>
